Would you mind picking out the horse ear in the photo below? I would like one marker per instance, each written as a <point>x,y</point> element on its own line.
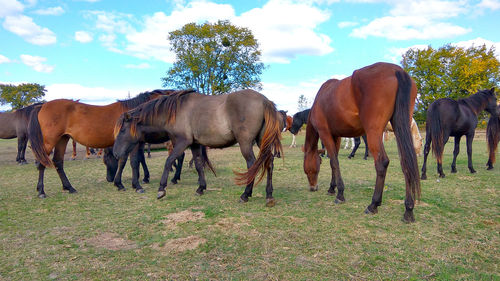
<point>493,90</point>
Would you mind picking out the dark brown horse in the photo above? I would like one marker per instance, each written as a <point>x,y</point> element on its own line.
<point>493,137</point>
<point>55,122</point>
<point>193,120</point>
<point>447,117</point>
<point>15,125</point>
<point>363,104</point>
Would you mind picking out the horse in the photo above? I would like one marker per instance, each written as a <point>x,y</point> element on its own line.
<point>88,151</point>
<point>298,120</point>
<point>447,117</point>
<point>55,122</point>
<point>15,124</point>
<point>194,119</point>
<point>415,134</point>
<point>357,143</point>
<point>493,137</point>
<point>363,104</point>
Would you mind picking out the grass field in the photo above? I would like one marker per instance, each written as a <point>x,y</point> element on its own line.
<point>102,234</point>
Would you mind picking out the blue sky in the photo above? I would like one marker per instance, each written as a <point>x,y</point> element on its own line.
<point>102,50</point>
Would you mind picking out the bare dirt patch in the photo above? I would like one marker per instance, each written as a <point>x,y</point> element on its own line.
<point>111,241</point>
<point>172,220</point>
<point>180,244</point>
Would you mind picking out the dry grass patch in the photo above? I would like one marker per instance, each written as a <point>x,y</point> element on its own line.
<point>172,220</point>
<point>179,245</point>
<point>111,241</point>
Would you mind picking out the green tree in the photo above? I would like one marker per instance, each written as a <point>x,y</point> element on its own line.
<point>21,95</point>
<point>451,72</point>
<point>214,58</point>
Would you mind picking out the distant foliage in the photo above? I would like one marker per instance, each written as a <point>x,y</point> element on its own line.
<point>22,95</point>
<point>451,72</point>
<point>303,104</point>
<point>214,58</point>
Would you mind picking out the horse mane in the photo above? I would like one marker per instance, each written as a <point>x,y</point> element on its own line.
<point>26,111</point>
<point>478,101</point>
<point>142,98</point>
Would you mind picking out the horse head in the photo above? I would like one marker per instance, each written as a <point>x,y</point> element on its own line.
<point>127,134</point>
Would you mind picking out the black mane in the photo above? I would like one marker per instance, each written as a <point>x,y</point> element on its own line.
<point>477,101</point>
<point>142,98</point>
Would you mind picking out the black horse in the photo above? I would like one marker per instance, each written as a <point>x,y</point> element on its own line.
<point>15,124</point>
<point>493,137</point>
<point>357,142</point>
<point>299,119</point>
<point>447,117</point>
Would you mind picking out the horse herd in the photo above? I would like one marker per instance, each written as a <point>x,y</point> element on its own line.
<point>360,105</point>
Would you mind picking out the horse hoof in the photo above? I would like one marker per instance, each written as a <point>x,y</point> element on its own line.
<point>408,218</point>
<point>42,196</point>
<point>270,202</point>
<point>330,193</point>
<point>313,188</point>
<point>121,189</point>
<point>442,176</point>
<point>173,181</point>
<point>145,181</point>
<point>243,200</point>
<point>140,190</point>
<point>161,194</point>
<point>453,171</point>
<point>370,212</point>
<point>472,171</point>
<point>338,201</point>
<point>73,191</point>
<point>199,193</point>
<point>423,177</point>
<point>489,168</point>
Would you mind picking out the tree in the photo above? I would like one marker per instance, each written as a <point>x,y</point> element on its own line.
<point>214,58</point>
<point>302,103</point>
<point>21,95</point>
<point>451,72</point>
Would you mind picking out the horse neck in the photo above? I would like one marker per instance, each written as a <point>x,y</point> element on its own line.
<point>477,102</point>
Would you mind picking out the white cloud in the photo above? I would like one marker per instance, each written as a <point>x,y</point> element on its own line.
<point>37,63</point>
<point>24,26</point>
<point>489,4</point>
<point>83,37</point>
<point>90,95</point>
<point>344,24</point>
<point>138,66</point>
<point>10,7</point>
<point>418,19</point>
<point>52,11</point>
<point>4,59</point>
<point>283,28</point>
<point>477,42</point>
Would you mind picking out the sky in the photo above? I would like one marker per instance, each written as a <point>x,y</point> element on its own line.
<point>99,51</point>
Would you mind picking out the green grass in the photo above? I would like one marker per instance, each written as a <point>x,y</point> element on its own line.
<point>304,237</point>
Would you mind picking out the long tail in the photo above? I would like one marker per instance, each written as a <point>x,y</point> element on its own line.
<point>434,121</point>
<point>493,136</point>
<point>270,145</point>
<point>400,121</point>
<point>36,139</point>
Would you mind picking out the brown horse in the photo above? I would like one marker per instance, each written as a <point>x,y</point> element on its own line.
<point>15,125</point>
<point>55,122</point>
<point>194,120</point>
<point>363,104</point>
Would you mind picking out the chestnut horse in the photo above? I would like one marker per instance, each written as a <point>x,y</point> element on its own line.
<point>194,120</point>
<point>363,104</point>
<point>55,122</point>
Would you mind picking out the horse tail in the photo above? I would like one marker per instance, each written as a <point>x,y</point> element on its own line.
<point>400,121</point>
<point>269,146</point>
<point>437,138</point>
<point>493,137</point>
<point>206,161</point>
<point>36,139</point>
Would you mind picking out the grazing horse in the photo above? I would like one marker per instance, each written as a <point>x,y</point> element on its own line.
<point>363,104</point>
<point>55,122</point>
<point>15,124</point>
<point>193,120</point>
<point>447,117</point>
<point>493,137</point>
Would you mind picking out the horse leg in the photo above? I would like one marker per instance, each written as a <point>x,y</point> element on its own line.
<point>381,162</point>
<point>21,149</point>
<point>366,147</point>
<point>294,144</point>
<point>247,152</point>
<point>469,138</point>
<point>198,164</point>
<point>178,169</point>
<point>427,149</point>
<point>58,160</point>
<point>149,150</point>
<point>87,154</point>
<point>179,147</point>
<point>357,142</point>
<point>135,162</point>
<point>270,202</point>
<point>73,155</point>
<point>40,185</point>
<point>142,161</point>
<point>440,158</point>
<point>117,181</point>
<point>333,146</point>
<point>456,150</point>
